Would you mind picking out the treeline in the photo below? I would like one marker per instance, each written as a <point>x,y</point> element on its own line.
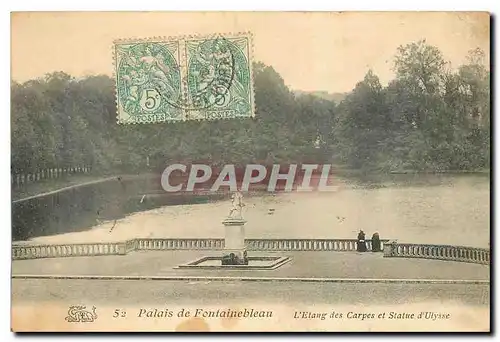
<point>427,118</point>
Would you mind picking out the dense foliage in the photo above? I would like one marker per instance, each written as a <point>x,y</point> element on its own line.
<point>428,118</point>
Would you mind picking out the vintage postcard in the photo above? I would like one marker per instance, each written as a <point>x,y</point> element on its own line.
<point>250,171</point>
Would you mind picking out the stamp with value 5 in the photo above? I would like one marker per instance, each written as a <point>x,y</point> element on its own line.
<point>184,78</point>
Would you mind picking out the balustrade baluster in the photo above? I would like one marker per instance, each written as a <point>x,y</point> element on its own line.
<point>442,252</point>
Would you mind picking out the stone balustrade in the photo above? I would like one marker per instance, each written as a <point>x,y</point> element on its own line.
<point>440,252</point>
<point>67,250</point>
<point>168,244</point>
<point>338,245</point>
<point>390,249</point>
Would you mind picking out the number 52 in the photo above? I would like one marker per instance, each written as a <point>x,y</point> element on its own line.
<point>119,313</point>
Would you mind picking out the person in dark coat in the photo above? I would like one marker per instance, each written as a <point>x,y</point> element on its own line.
<point>361,242</point>
<point>376,243</point>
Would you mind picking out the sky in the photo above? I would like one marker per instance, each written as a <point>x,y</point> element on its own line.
<point>313,51</point>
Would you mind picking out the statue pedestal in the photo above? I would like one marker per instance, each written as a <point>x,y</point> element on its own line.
<point>390,248</point>
<point>234,250</point>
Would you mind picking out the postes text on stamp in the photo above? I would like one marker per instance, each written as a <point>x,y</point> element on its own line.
<point>184,78</point>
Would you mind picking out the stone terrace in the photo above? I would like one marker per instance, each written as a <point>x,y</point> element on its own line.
<point>345,265</point>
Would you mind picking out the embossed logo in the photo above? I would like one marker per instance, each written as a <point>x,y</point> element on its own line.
<point>79,313</point>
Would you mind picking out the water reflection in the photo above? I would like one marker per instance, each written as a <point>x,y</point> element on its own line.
<point>80,208</point>
<point>398,204</point>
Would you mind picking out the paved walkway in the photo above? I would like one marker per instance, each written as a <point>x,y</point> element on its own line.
<point>209,292</point>
<point>467,301</point>
<point>338,265</point>
<point>51,186</point>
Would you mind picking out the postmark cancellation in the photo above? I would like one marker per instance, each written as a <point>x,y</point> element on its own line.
<point>184,78</point>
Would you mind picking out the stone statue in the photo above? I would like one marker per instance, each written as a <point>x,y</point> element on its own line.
<point>236,206</point>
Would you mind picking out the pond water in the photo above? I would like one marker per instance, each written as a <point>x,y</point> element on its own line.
<point>436,209</point>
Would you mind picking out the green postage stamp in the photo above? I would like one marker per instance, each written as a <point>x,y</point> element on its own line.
<point>184,78</point>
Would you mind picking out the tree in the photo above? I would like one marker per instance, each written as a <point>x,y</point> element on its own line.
<point>363,124</point>
<point>429,117</point>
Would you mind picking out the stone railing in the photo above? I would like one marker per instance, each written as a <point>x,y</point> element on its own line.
<point>169,244</point>
<point>338,245</point>
<point>19,179</point>
<point>25,251</point>
<point>440,252</point>
<point>67,250</point>
<point>390,249</point>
